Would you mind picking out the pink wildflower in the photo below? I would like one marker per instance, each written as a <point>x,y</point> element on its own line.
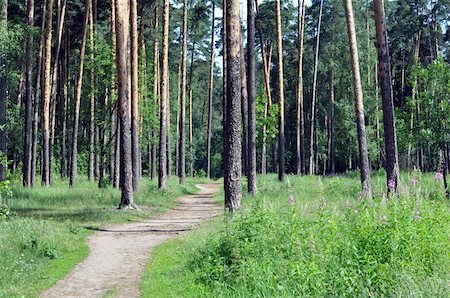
<point>438,176</point>
<point>291,199</point>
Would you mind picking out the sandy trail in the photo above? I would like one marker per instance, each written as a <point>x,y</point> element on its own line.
<point>118,254</point>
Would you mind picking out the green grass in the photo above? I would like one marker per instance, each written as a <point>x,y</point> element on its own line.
<point>48,236</point>
<point>328,243</point>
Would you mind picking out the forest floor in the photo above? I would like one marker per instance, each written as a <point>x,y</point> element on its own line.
<point>118,254</point>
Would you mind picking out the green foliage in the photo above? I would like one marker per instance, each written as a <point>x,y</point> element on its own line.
<point>323,242</point>
<point>270,121</point>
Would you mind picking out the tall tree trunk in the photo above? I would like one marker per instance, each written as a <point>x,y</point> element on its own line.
<point>65,104</point>
<point>232,144</point>
<point>224,80</point>
<point>313,101</point>
<point>74,155</point>
<point>122,33</point>
<point>29,99</point>
<point>162,182</point>
<point>3,136</point>
<point>390,136</point>
<point>210,98</point>
<point>37,93</point>
<point>251,155</point>
<point>92,97</point>
<point>281,138</point>
<point>134,95</point>
<point>330,126</point>
<point>244,109</point>
<point>191,126</point>
<point>114,123</point>
<point>300,119</point>
<point>155,90</point>
<point>364,166</point>
<point>46,97</point>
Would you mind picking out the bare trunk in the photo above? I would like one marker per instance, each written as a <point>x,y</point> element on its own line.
<point>46,97</point>
<point>232,144</point>
<point>390,137</point>
<point>364,166</point>
<point>313,101</point>
<point>3,135</point>
<point>74,155</point>
<point>330,126</point>
<point>92,97</point>
<point>281,138</point>
<point>134,95</point>
<point>164,98</point>
<point>29,99</point>
<point>210,99</point>
<point>251,155</point>
<point>122,33</point>
<point>191,149</point>
<point>244,110</point>
<point>155,93</point>
<point>300,118</point>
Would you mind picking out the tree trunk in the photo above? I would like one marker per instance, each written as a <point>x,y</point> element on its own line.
<point>3,136</point>
<point>390,137</point>
<point>46,97</point>
<point>224,80</point>
<point>364,166</point>
<point>251,155</point>
<point>232,144</point>
<point>155,92</point>
<point>210,99</point>
<point>313,101</point>
<point>244,110</point>
<point>330,126</point>
<point>29,99</point>
<point>162,182</point>
<point>191,127</point>
<point>122,33</point>
<point>92,97</point>
<point>74,155</point>
<point>114,123</point>
<point>37,93</point>
<point>281,138</point>
<point>65,104</point>
<point>300,119</point>
<point>134,95</point>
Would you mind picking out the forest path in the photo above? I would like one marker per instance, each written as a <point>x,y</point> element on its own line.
<point>118,255</point>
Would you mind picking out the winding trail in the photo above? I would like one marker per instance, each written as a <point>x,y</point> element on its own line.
<point>118,254</point>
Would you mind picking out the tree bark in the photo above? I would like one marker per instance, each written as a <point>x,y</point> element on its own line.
<point>134,95</point>
<point>244,109</point>
<point>162,182</point>
<point>251,155</point>
<point>92,97</point>
<point>313,101</point>
<point>37,93</point>
<point>29,99</point>
<point>364,165</point>
<point>390,135</point>
<point>232,144</point>
<point>281,138</point>
<point>122,33</point>
<point>191,126</point>
<point>3,135</point>
<point>224,80</point>
<point>330,126</point>
<point>210,98</point>
<point>182,123</point>
<point>46,97</point>
<point>155,91</point>
<point>74,155</point>
<point>300,119</point>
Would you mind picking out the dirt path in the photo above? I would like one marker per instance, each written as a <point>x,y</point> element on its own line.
<point>118,255</point>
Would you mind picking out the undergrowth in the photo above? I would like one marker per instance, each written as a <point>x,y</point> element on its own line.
<point>313,237</point>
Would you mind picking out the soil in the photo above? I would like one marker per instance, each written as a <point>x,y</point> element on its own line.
<point>118,255</point>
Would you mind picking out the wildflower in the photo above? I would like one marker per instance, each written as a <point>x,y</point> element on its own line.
<point>382,218</point>
<point>391,184</point>
<point>291,199</point>
<point>413,181</point>
<point>438,176</point>
<point>417,215</point>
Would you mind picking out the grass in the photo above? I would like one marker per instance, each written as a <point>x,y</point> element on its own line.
<point>327,243</point>
<point>48,236</point>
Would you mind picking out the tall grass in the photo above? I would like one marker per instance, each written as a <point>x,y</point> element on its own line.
<point>314,237</point>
